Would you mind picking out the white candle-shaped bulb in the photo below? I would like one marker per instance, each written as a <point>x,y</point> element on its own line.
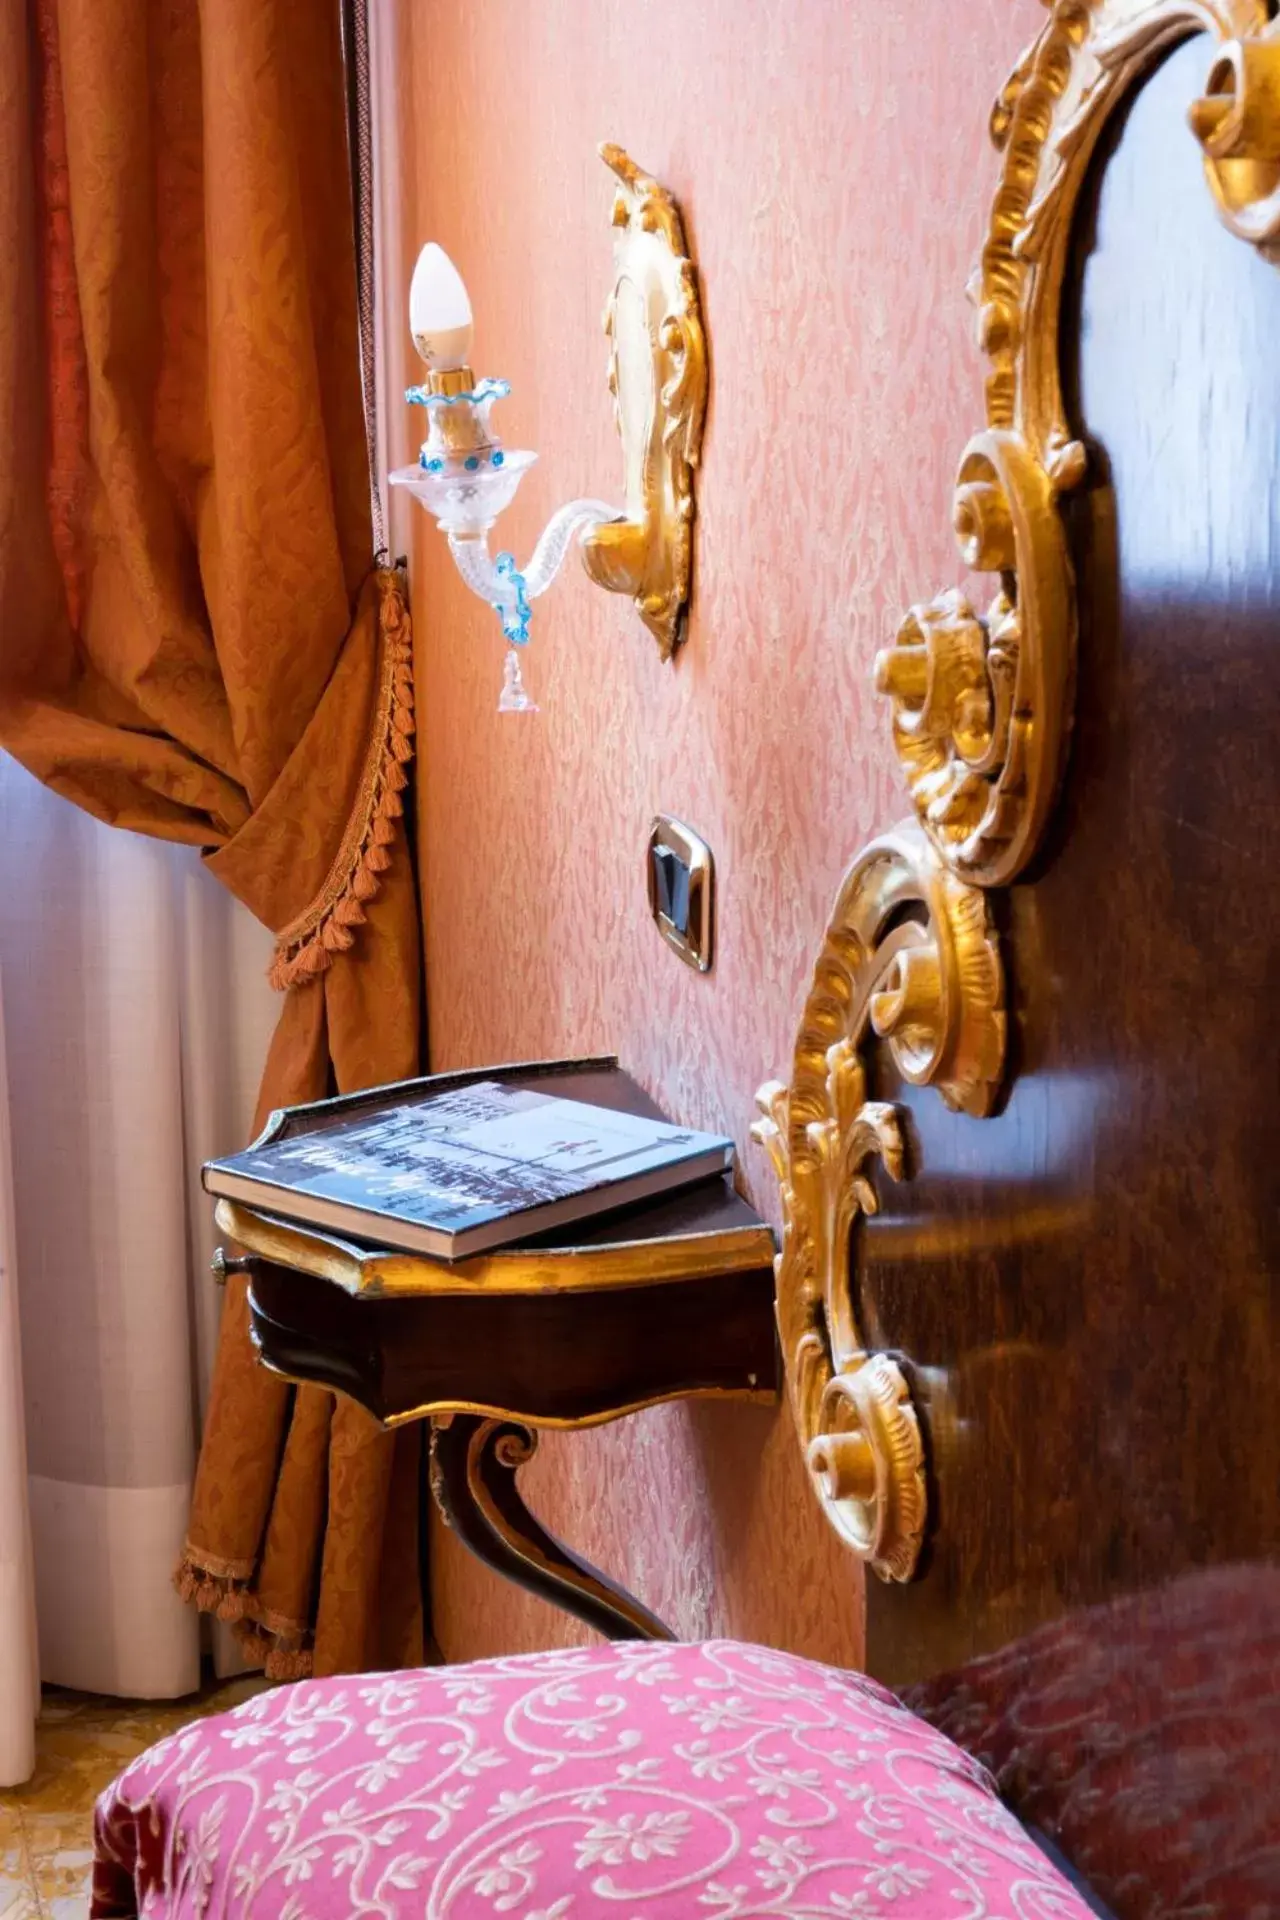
<point>439,311</point>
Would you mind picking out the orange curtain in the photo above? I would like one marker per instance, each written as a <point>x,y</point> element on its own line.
<point>193,643</point>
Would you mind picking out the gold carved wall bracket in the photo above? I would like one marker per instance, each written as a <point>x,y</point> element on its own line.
<point>981,707</point>
<point>658,378</point>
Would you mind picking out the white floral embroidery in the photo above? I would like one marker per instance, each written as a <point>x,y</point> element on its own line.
<point>655,1674</point>
<point>510,1802</point>
<point>339,1816</point>
<point>197,1767</point>
<point>374,1777</point>
<point>970,1860</point>
<point>510,1879</point>
<point>452,1800</point>
<point>299,1865</point>
<point>894,1880</point>
<point>406,1871</point>
<point>245,1879</point>
<point>632,1836</point>
<point>202,1853</point>
<point>710,1716</point>
<point>257,1707</point>
<point>472,1761</point>
<point>475,1705</point>
<point>784,1860</point>
<point>389,1831</point>
<point>703,1763</point>
<point>251,1735</point>
<point>766,1662</point>
<point>779,1785</point>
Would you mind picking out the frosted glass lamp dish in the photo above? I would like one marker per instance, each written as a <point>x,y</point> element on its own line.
<point>466,478</point>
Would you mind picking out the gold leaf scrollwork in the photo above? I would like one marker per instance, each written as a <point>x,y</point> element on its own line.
<point>1237,122</point>
<point>982,707</point>
<point>658,379</point>
<point>909,958</point>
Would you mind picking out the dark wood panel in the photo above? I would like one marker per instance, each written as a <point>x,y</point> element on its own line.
<point>1086,1285</point>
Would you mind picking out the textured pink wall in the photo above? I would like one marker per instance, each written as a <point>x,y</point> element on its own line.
<point>832,163</point>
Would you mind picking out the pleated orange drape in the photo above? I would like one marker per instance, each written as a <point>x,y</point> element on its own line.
<point>193,642</point>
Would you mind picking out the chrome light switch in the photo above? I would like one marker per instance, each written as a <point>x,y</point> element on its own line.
<point>681,879</point>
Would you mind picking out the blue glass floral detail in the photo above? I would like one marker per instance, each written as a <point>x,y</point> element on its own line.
<point>432,466</point>
<point>483,390</point>
<point>515,620</point>
<point>471,462</point>
<point>498,459</point>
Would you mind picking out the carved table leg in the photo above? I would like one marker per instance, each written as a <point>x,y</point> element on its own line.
<point>474,1462</point>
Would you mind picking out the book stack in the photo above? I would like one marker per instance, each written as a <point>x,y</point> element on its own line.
<point>458,1165</point>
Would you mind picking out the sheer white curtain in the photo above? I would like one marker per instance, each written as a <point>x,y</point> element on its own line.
<point>137,1014</point>
<point>19,1669</point>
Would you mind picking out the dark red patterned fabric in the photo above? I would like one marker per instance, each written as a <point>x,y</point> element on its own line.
<point>1144,1738</point>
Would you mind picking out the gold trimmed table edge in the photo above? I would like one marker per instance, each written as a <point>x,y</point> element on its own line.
<point>376,1274</point>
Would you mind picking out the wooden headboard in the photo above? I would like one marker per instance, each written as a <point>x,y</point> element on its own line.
<point>1031,1325</point>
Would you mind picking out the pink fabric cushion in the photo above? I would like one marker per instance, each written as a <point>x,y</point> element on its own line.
<point>663,1781</point>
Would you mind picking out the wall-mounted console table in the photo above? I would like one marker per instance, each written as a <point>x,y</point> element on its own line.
<point>673,1299</point>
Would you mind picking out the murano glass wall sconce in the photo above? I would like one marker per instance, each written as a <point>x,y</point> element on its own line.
<point>465,477</point>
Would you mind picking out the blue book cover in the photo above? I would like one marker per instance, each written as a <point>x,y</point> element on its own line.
<point>465,1170</point>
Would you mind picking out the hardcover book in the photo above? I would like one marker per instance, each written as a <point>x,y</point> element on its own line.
<point>461,1171</point>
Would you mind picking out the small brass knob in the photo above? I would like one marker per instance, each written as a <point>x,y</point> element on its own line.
<point>223,1264</point>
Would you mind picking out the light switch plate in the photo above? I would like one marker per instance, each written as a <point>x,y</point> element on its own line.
<point>681,880</point>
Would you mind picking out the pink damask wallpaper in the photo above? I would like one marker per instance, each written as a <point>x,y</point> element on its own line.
<point>832,162</point>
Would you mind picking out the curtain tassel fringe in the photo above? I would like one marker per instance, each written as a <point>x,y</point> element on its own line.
<point>305,948</point>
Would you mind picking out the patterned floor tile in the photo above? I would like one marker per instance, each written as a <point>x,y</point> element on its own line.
<point>82,1743</point>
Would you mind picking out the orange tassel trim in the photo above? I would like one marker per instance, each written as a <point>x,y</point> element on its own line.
<point>266,1639</point>
<point>306,947</point>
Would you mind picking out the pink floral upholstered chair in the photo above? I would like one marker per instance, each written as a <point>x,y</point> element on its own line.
<point>630,1780</point>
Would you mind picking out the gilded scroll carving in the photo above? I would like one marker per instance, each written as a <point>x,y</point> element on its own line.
<point>910,958</point>
<point>981,711</point>
<point>1237,122</point>
<point>982,705</point>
